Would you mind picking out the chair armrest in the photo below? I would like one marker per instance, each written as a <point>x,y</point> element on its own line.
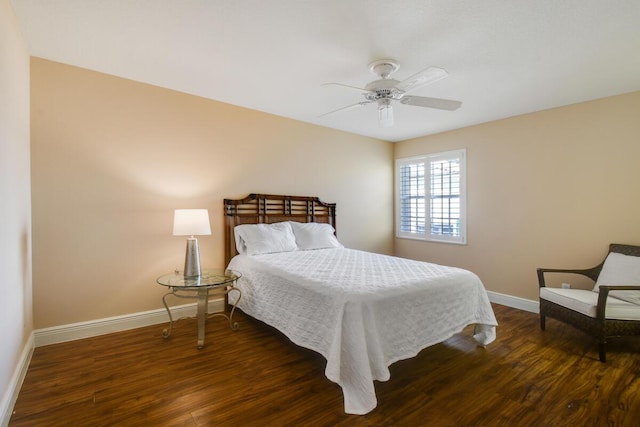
<point>591,273</point>
<point>604,294</point>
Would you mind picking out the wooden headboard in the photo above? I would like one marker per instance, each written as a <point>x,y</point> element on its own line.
<point>270,208</point>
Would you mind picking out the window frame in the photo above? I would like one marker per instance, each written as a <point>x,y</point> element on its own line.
<point>428,159</point>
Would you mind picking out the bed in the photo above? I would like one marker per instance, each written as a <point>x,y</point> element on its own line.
<point>362,311</point>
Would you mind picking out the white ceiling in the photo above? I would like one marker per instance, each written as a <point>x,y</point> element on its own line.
<point>504,58</point>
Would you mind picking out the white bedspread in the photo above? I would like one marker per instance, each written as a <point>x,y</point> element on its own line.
<point>362,311</point>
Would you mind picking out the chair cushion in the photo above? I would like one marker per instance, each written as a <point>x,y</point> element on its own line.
<point>619,269</point>
<point>629,296</point>
<point>585,302</point>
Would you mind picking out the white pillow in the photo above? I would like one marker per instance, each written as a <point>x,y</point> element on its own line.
<point>255,239</point>
<point>619,269</point>
<point>315,235</point>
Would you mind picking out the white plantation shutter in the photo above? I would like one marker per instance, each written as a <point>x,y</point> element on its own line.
<point>430,201</point>
<point>412,204</point>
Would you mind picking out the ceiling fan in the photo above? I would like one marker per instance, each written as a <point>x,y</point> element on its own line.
<point>386,89</point>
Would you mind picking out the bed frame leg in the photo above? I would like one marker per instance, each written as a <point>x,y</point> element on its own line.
<point>602,351</point>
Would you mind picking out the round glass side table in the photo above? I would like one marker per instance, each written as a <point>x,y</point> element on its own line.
<point>212,282</point>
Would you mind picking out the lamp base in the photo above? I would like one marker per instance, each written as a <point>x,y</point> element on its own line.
<point>192,259</point>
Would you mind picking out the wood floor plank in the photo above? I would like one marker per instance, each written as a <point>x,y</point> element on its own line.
<point>256,376</point>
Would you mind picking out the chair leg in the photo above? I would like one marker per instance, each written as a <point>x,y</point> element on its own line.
<point>602,351</point>
<point>542,322</point>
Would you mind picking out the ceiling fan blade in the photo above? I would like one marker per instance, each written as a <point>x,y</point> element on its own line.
<point>347,108</point>
<point>430,75</point>
<point>359,89</point>
<point>423,101</point>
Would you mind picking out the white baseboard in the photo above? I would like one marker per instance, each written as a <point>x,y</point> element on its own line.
<point>92,328</point>
<point>515,302</point>
<point>11,393</point>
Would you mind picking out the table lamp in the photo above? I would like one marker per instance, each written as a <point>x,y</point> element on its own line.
<point>191,222</point>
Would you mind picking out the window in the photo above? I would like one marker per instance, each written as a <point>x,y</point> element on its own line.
<point>430,197</point>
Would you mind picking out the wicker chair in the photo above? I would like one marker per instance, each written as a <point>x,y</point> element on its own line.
<point>593,320</point>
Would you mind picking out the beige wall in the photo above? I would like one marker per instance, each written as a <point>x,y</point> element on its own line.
<point>113,158</point>
<point>548,189</point>
<point>15,204</point>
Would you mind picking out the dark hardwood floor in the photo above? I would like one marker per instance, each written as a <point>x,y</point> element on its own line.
<point>256,376</point>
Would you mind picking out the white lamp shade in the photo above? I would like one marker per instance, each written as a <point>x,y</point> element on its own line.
<point>191,222</point>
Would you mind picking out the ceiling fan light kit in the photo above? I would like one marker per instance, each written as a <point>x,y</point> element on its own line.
<point>385,113</point>
<point>386,89</point>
